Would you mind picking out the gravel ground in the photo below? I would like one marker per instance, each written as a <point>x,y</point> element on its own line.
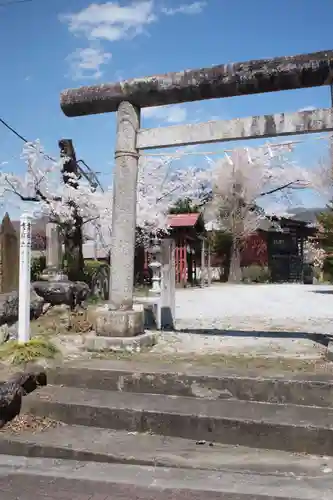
<point>261,320</point>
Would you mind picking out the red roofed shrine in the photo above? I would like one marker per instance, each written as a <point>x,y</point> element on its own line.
<point>188,231</point>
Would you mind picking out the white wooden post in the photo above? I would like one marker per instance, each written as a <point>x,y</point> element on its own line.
<point>24,279</point>
<point>168,288</point>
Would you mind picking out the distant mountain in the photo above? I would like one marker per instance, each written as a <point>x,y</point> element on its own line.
<point>296,210</point>
<point>306,214</point>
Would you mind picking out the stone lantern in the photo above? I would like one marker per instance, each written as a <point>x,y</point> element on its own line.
<point>155,265</point>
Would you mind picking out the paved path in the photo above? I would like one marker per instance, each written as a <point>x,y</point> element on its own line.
<point>41,488</point>
<point>247,319</point>
<point>50,479</point>
<point>256,307</point>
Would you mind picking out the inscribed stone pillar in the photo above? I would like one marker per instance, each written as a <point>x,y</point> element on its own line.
<point>53,251</point>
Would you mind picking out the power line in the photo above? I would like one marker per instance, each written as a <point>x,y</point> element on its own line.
<point>13,2</point>
<point>13,130</point>
<point>90,175</point>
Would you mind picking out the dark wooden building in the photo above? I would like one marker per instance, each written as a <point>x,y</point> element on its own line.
<point>285,240</point>
<point>278,244</point>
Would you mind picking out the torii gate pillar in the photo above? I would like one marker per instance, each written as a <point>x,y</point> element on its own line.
<point>124,207</point>
<point>119,319</point>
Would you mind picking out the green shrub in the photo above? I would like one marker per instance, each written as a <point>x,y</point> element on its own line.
<point>255,274</point>
<point>37,348</point>
<point>96,275</point>
<point>38,264</point>
<point>90,269</point>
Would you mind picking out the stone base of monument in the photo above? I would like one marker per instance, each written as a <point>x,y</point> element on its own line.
<point>93,342</point>
<point>110,323</point>
<point>119,330</point>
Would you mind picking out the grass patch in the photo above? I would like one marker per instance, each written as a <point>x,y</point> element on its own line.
<point>16,353</point>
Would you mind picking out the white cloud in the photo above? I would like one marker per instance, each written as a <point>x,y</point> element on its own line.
<point>190,8</point>
<point>87,63</point>
<point>111,21</point>
<point>167,114</point>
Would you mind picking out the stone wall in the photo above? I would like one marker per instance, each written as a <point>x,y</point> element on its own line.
<point>9,256</point>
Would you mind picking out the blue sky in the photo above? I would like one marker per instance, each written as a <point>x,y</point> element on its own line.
<point>49,45</point>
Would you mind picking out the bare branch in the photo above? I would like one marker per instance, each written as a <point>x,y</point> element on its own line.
<point>284,186</point>
<point>242,179</point>
<point>17,193</point>
<point>39,196</point>
<point>92,219</point>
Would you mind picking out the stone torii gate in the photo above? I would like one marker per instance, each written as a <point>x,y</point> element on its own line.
<point>226,80</point>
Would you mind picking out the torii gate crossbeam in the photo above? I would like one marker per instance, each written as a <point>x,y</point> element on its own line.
<point>128,97</point>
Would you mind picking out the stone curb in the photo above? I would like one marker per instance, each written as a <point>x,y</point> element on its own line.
<point>111,377</point>
<point>148,482</point>
<point>154,451</point>
<point>291,428</point>
<point>15,447</point>
<point>93,342</point>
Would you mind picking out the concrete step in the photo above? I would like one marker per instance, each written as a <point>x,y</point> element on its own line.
<point>254,424</point>
<point>309,390</point>
<point>36,477</point>
<point>74,442</point>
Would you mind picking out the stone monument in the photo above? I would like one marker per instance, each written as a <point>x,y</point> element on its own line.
<point>53,253</point>
<point>9,256</point>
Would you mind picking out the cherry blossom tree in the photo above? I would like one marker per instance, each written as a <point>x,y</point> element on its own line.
<point>69,202</point>
<point>73,203</point>
<point>240,181</point>
<point>162,182</point>
<point>321,175</point>
<point>234,185</point>
<point>314,254</point>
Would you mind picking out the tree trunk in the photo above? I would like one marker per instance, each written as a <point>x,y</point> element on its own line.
<point>73,241</point>
<point>73,232</point>
<point>235,271</point>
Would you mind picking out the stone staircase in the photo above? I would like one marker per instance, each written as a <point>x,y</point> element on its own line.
<point>260,430</point>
